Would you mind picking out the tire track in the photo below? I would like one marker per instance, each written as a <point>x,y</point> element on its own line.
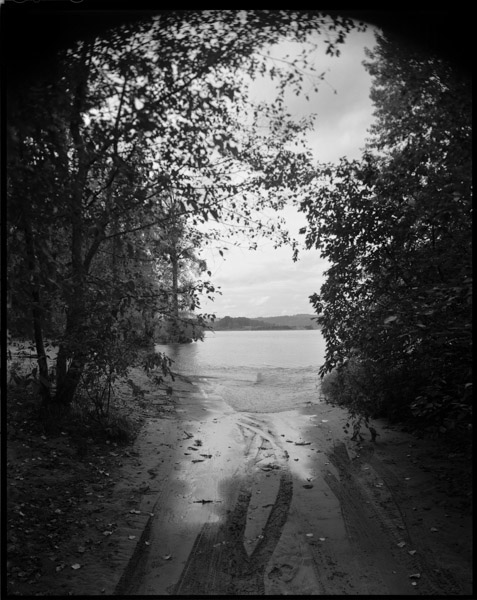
<point>375,521</point>
<point>369,530</point>
<point>433,581</point>
<point>251,431</point>
<point>219,563</point>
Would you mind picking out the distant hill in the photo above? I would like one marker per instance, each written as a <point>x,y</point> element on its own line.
<point>265,323</point>
<point>243,323</point>
<point>300,321</point>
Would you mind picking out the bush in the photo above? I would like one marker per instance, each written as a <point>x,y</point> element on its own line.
<point>366,391</point>
<point>352,386</point>
<point>118,428</point>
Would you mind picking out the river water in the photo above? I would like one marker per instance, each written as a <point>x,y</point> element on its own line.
<point>254,371</point>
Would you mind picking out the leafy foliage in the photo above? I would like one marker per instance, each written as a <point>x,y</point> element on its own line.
<point>122,128</point>
<point>396,229</point>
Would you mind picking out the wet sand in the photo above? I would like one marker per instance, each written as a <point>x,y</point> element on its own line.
<point>276,503</point>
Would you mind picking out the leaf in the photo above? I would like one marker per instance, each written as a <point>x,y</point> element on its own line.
<point>76,566</point>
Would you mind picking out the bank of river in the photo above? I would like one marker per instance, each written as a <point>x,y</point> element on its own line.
<point>217,499</point>
<point>283,503</point>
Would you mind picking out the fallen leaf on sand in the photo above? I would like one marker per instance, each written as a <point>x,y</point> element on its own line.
<point>167,557</point>
<point>269,467</point>
<point>412,552</point>
<point>401,544</point>
<point>76,566</point>
<point>131,537</point>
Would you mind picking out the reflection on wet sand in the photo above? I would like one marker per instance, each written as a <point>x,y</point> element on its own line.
<point>234,479</point>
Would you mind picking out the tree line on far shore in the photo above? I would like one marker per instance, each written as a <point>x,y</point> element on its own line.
<point>265,323</point>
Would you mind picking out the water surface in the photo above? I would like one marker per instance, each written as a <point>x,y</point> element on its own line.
<point>255,371</point>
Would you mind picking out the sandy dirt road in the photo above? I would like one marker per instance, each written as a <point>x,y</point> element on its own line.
<point>281,503</point>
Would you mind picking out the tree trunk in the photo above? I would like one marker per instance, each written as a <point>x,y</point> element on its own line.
<point>175,296</point>
<point>36,310</point>
<point>68,378</point>
<point>67,387</point>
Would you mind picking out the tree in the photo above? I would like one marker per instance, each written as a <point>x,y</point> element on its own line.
<point>181,268</point>
<point>120,123</point>
<point>395,308</point>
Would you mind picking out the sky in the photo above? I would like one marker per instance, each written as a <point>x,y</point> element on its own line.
<point>266,282</point>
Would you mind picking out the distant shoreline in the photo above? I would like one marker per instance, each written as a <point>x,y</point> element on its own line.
<point>280,323</point>
<point>266,329</point>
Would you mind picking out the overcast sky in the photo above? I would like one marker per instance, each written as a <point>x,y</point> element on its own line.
<point>267,282</point>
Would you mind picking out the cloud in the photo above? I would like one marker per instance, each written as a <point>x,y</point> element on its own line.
<point>268,282</point>
<point>259,301</point>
